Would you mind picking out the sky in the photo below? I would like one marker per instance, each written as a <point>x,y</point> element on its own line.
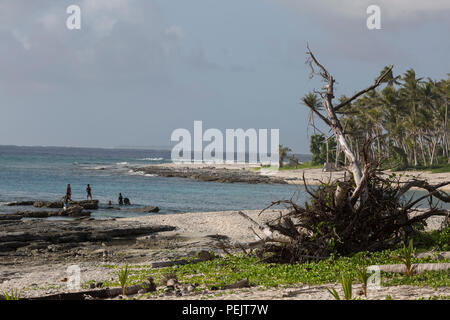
<point>139,69</point>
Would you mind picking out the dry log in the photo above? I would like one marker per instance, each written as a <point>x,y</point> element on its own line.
<point>98,294</point>
<point>418,268</point>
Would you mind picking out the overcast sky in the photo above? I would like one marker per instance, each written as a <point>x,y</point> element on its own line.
<point>138,69</point>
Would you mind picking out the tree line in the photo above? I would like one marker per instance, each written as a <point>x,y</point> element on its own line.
<point>406,122</point>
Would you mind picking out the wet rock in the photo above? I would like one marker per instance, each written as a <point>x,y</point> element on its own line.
<point>86,204</point>
<point>20,203</point>
<point>48,204</point>
<point>9,217</point>
<point>212,174</point>
<point>74,211</point>
<point>148,209</point>
<point>11,246</point>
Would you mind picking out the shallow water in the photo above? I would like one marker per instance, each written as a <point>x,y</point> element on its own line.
<point>43,173</point>
<point>28,173</point>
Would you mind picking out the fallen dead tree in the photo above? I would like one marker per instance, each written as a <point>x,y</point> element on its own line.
<point>364,211</point>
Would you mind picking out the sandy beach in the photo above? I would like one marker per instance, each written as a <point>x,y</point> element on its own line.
<point>40,272</point>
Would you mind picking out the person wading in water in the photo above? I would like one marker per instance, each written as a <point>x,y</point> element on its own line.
<point>88,192</point>
<point>69,193</point>
<point>120,199</point>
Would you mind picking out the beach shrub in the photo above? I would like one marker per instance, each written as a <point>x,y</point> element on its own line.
<point>406,257</point>
<point>11,295</point>
<point>123,275</point>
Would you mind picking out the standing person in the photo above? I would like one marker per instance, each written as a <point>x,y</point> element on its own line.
<point>88,192</point>
<point>66,203</point>
<point>69,193</point>
<point>120,199</point>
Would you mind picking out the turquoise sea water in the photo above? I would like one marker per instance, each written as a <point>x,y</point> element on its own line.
<point>44,172</point>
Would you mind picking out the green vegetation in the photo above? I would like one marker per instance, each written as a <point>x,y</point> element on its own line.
<point>224,271</point>
<point>282,154</point>
<point>323,150</point>
<point>407,120</point>
<point>304,165</point>
<point>406,257</point>
<point>346,283</point>
<point>363,276</point>
<point>123,275</point>
<point>12,295</point>
<point>436,240</point>
<point>428,278</point>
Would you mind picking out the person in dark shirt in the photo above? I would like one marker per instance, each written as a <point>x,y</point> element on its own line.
<point>69,193</point>
<point>88,192</point>
<point>120,199</point>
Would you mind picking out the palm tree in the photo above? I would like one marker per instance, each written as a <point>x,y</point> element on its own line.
<point>282,153</point>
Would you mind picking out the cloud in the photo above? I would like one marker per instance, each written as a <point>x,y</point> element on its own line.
<point>175,31</point>
<point>393,11</point>
<point>121,42</point>
<point>22,39</point>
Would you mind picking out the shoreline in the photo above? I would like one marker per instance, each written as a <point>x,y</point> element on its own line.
<point>249,173</point>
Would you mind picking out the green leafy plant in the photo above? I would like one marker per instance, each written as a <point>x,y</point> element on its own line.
<point>12,295</point>
<point>406,257</point>
<point>334,293</point>
<point>346,282</point>
<point>123,274</point>
<point>363,275</point>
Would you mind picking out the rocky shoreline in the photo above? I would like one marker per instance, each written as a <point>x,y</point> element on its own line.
<point>211,173</point>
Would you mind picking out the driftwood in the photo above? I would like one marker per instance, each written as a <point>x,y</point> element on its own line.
<point>97,294</point>
<point>244,283</point>
<point>418,268</point>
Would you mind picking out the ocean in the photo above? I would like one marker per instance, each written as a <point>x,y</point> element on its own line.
<point>42,173</point>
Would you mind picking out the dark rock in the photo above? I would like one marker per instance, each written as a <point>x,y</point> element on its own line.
<point>86,204</point>
<point>244,283</point>
<point>37,214</point>
<point>204,255</point>
<point>148,209</point>
<point>10,216</point>
<point>48,204</point>
<point>74,211</point>
<point>11,246</point>
<point>212,174</point>
<point>20,203</point>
